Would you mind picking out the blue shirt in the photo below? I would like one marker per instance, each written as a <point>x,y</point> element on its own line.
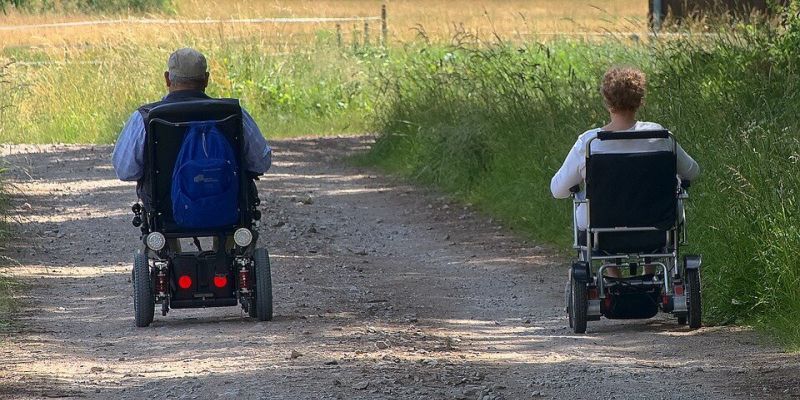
<point>128,157</point>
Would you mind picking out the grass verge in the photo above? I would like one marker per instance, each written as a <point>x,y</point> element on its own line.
<point>87,95</point>
<point>492,125</point>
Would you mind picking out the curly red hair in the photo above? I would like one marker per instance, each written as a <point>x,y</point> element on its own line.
<point>623,88</point>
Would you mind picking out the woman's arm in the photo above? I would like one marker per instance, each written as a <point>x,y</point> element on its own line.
<point>569,174</point>
<point>688,169</point>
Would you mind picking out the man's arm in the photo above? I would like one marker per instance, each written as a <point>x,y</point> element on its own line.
<point>128,156</point>
<point>257,153</point>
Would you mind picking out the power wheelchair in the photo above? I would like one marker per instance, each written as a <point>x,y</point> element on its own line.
<point>173,267</point>
<point>636,224</point>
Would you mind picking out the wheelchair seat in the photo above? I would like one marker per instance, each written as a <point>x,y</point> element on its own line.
<point>632,203</point>
<point>166,126</point>
<point>633,199</point>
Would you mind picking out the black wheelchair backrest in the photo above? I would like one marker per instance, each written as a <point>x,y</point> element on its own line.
<point>632,190</point>
<point>166,126</point>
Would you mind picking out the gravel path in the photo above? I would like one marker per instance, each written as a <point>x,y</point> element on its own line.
<point>382,291</point>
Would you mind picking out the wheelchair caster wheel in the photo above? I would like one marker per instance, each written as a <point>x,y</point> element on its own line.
<point>262,299</point>
<point>143,301</point>
<point>693,300</point>
<point>578,304</point>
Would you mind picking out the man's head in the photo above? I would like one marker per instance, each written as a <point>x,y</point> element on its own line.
<point>186,70</point>
<point>623,89</point>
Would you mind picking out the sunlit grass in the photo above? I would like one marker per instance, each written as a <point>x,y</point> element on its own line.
<point>85,96</point>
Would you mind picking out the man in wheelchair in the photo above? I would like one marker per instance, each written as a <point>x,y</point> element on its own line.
<point>195,160</point>
<point>628,180</point>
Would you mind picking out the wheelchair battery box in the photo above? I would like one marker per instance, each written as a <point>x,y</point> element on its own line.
<point>631,301</point>
<point>200,280</point>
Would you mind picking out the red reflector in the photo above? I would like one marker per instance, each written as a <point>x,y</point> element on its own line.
<point>220,281</point>
<point>679,290</point>
<point>185,282</point>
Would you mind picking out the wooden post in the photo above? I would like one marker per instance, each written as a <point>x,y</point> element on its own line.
<point>339,35</point>
<point>366,34</point>
<point>355,37</point>
<point>384,26</point>
<point>656,14</point>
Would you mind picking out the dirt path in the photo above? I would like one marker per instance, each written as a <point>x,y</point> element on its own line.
<point>382,291</point>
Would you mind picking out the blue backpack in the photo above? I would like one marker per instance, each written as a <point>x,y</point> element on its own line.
<point>205,181</point>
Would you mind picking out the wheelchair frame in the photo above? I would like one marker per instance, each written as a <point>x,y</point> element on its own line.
<point>247,276</point>
<point>673,274</point>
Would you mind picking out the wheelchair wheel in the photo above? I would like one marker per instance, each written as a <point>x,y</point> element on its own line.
<point>693,300</point>
<point>263,295</point>
<point>143,300</point>
<point>251,309</point>
<point>578,304</point>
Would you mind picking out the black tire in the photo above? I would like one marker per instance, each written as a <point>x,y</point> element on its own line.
<point>579,302</point>
<point>693,299</point>
<point>681,319</point>
<point>251,308</point>
<point>144,302</point>
<point>263,294</point>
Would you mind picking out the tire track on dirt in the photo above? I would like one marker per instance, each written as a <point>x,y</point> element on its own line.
<point>382,290</point>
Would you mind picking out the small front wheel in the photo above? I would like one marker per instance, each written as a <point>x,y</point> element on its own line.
<point>579,302</point>
<point>693,300</point>
<point>263,295</point>
<point>143,299</point>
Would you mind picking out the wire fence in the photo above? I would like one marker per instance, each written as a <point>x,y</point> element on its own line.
<point>134,21</point>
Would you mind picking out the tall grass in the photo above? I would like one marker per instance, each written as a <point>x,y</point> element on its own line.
<point>86,96</point>
<point>493,125</point>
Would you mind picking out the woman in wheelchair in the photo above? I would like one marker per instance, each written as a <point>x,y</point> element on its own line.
<point>627,181</point>
<point>623,90</point>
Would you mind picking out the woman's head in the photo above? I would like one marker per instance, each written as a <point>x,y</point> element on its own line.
<point>623,89</point>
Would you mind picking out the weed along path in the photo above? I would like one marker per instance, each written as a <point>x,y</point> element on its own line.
<point>382,291</point>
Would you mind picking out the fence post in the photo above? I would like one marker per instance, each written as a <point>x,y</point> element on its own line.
<point>355,37</point>
<point>384,26</point>
<point>339,35</point>
<point>366,34</point>
<point>656,15</point>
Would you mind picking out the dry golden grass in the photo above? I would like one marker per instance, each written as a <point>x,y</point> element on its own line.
<point>438,19</point>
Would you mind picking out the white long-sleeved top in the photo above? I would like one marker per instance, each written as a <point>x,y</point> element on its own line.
<point>573,171</point>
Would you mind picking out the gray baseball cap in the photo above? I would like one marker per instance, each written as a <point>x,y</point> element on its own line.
<point>187,63</point>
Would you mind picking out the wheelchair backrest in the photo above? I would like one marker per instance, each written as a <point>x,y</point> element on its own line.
<point>632,190</point>
<point>167,125</point>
